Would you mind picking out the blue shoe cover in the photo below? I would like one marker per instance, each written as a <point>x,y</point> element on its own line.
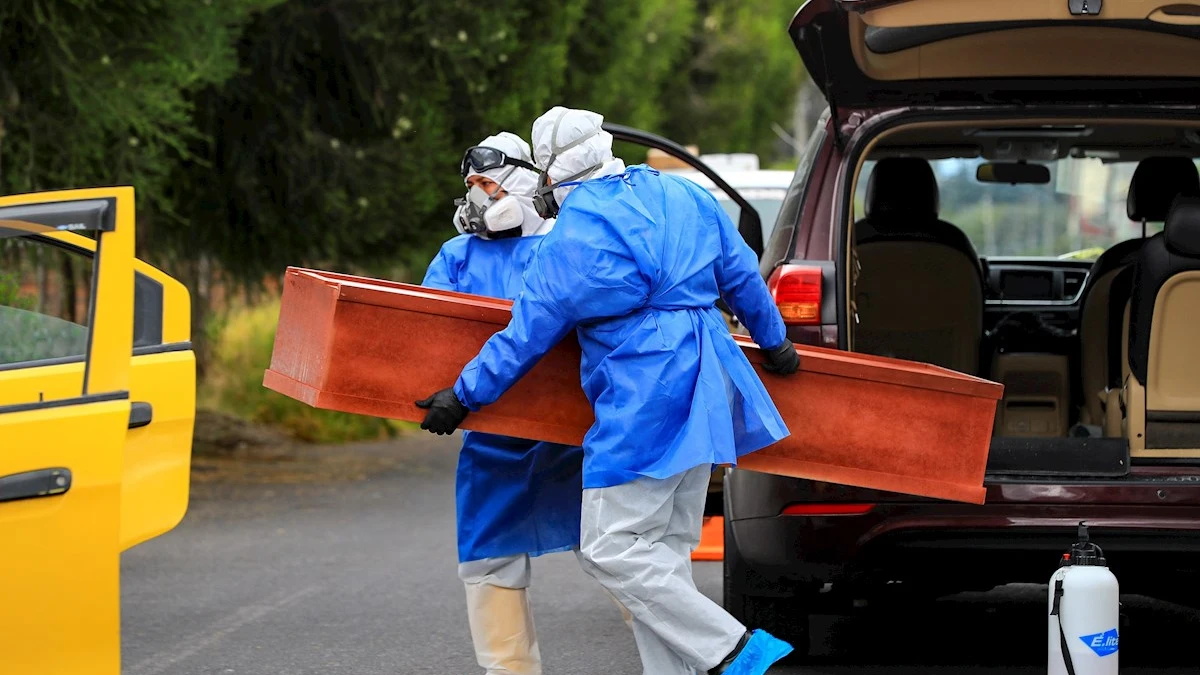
<point>762,650</point>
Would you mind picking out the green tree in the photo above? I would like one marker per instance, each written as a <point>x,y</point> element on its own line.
<point>741,77</point>
<point>95,92</point>
<point>11,295</point>
<point>625,57</point>
<point>338,142</point>
<point>100,92</point>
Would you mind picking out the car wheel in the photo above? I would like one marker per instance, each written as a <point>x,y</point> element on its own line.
<point>781,617</point>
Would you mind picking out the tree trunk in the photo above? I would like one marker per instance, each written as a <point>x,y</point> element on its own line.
<point>43,280</point>
<point>196,274</point>
<point>67,308</point>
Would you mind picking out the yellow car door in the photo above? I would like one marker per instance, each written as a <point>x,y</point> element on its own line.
<point>162,379</point>
<point>62,450</point>
<point>162,388</point>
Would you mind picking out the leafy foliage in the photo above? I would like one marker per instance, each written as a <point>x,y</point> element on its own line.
<point>96,92</point>
<point>338,142</point>
<point>625,56</point>
<point>10,293</point>
<point>29,336</point>
<point>262,133</point>
<point>742,76</point>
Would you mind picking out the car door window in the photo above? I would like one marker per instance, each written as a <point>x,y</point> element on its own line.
<point>779,247</point>
<point>44,296</point>
<point>44,293</point>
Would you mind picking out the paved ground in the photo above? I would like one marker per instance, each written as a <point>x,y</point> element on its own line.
<point>342,562</point>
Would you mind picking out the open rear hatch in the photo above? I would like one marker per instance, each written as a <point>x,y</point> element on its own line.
<point>870,53</point>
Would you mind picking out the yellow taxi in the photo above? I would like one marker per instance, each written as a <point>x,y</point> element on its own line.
<point>97,405</point>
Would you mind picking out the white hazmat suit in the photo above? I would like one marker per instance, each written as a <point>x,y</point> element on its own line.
<point>516,499</point>
<point>637,536</point>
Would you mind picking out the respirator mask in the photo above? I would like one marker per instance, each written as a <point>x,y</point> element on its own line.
<point>488,216</point>
<point>544,201</point>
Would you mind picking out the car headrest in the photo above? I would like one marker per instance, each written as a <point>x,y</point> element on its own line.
<point>1156,183</point>
<point>1182,229</point>
<point>902,186</point>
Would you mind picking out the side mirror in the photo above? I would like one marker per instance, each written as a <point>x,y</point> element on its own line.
<point>750,227</point>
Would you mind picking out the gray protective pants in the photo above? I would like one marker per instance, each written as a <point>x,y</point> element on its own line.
<point>637,540</point>
<point>500,616</point>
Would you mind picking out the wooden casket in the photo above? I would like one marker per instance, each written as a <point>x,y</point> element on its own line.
<point>373,347</point>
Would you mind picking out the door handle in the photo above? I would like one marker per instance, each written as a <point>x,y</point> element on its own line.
<point>34,484</point>
<point>140,414</point>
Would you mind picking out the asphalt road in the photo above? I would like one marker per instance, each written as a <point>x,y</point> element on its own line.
<point>342,561</point>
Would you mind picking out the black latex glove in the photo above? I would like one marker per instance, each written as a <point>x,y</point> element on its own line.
<point>783,360</point>
<point>446,412</point>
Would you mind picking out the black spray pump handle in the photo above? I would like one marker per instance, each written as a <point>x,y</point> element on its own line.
<point>1083,551</point>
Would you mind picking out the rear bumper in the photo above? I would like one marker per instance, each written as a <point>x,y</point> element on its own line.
<point>1017,536</point>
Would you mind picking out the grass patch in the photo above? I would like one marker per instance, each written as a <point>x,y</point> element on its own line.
<point>241,351</point>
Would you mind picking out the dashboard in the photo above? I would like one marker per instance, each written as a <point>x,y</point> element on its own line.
<point>1033,304</point>
<point>1034,281</point>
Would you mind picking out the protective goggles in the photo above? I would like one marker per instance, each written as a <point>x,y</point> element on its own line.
<point>481,158</point>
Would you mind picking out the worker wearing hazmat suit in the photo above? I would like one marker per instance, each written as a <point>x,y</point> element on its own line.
<point>515,498</point>
<point>635,265</point>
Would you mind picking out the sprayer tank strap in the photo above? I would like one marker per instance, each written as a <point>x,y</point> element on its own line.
<point>1056,610</point>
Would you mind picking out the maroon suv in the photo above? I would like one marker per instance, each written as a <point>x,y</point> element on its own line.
<point>1006,189</point>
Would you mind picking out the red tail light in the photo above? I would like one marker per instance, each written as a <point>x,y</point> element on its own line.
<point>797,293</point>
<point>827,509</point>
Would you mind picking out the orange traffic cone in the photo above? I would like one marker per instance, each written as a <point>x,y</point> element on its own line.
<point>712,540</point>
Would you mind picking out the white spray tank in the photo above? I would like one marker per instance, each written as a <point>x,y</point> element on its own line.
<point>1085,612</point>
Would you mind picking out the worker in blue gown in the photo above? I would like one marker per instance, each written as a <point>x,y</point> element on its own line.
<point>515,498</point>
<point>635,265</point>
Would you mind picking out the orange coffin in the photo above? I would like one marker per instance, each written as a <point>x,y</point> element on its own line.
<point>372,347</point>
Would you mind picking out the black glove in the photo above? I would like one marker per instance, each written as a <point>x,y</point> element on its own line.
<point>783,360</point>
<point>446,412</point>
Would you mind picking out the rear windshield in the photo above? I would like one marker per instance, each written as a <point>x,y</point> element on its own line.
<point>1077,215</point>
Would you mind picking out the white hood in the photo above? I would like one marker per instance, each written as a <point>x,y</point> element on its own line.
<point>568,141</point>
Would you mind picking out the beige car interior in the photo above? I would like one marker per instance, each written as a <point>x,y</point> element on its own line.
<point>1037,391</point>
<point>918,289</point>
<point>1155,185</point>
<point>936,313</point>
<point>1161,396</point>
<point>927,12</point>
<point>945,39</point>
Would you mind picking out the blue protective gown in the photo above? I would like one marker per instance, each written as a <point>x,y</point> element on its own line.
<point>513,495</point>
<point>635,264</point>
